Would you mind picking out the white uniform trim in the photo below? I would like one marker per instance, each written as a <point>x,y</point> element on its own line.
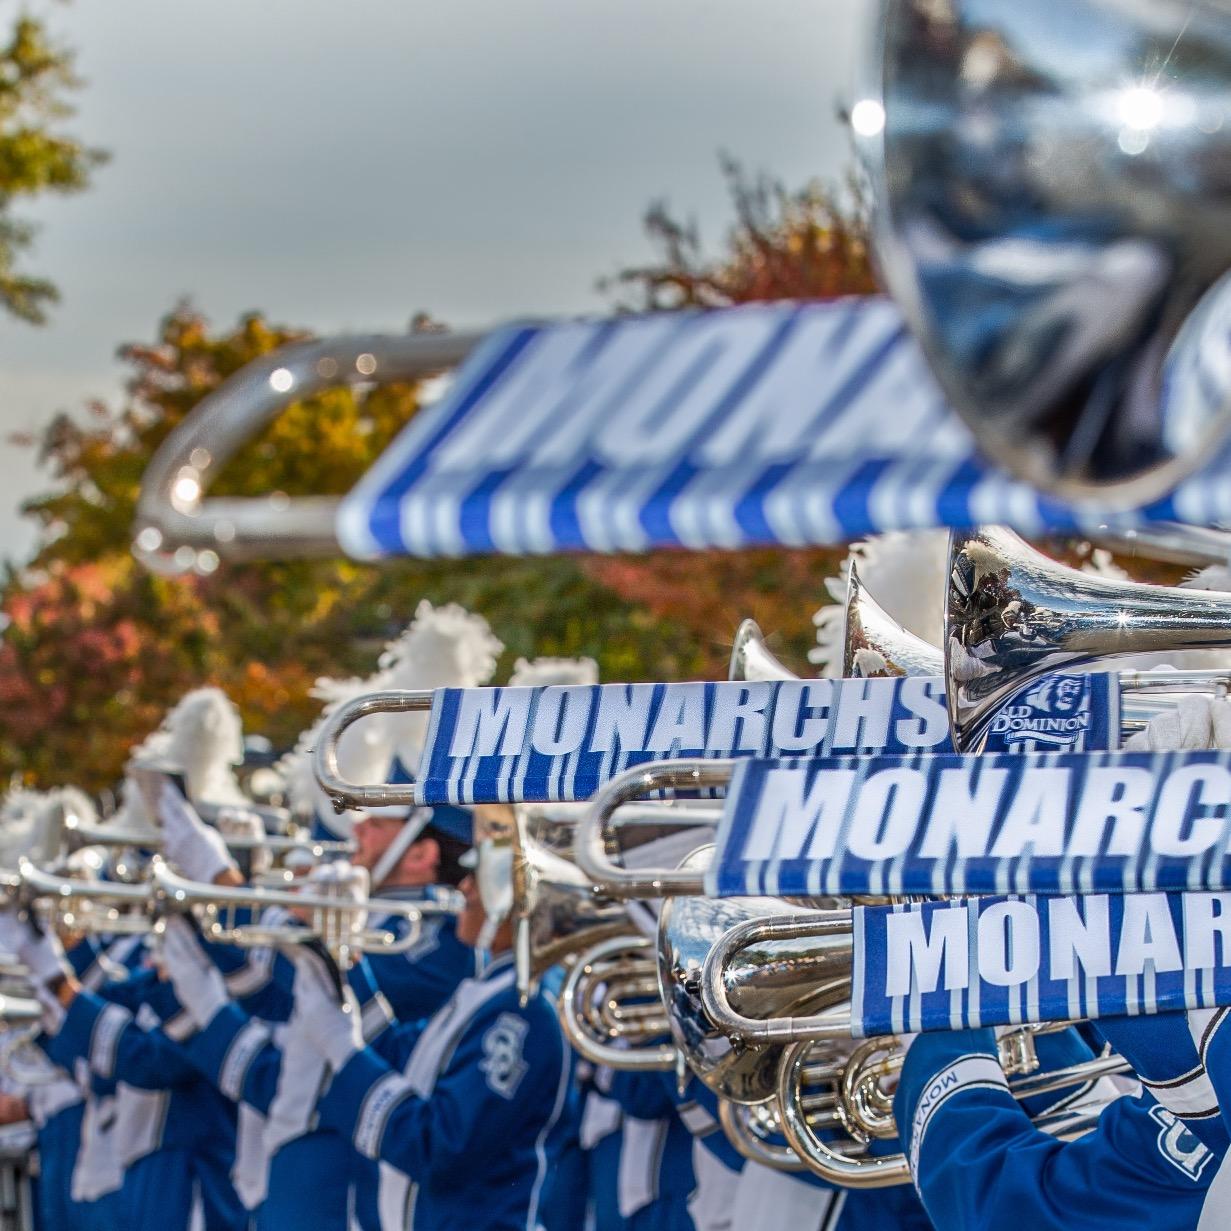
<point>378,1104</point>
<point>965,1073</point>
<point>105,1038</point>
<point>234,1068</point>
<point>253,975</point>
<point>1191,1097</point>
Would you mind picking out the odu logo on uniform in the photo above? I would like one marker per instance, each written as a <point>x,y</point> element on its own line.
<point>503,1065</point>
<point>1179,1146</point>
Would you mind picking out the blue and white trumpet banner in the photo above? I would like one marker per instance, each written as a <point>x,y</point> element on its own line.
<point>999,961</point>
<point>760,425</point>
<point>1097,822</point>
<point>561,743</point>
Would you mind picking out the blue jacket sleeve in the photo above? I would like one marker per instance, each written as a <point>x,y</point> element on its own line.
<point>645,1096</point>
<point>979,1162</point>
<point>475,1108</point>
<point>237,1053</point>
<point>116,1048</point>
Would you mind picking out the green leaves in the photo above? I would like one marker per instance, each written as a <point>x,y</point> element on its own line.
<point>36,157</point>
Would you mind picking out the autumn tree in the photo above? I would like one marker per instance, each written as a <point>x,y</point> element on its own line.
<point>36,155</point>
<point>97,648</point>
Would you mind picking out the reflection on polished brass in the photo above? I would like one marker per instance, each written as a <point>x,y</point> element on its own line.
<point>769,981</point>
<point>1056,225</point>
<point>1012,615</point>
<point>876,645</point>
<point>609,1011</point>
<point>555,911</point>
<point>751,658</point>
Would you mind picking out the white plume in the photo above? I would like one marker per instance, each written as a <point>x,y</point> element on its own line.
<point>904,572</point>
<point>31,824</point>
<point>364,755</point>
<point>444,647</point>
<point>205,739</point>
<point>541,672</point>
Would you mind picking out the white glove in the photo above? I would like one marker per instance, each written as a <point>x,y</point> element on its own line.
<point>38,952</point>
<point>1190,725</point>
<point>333,1030</point>
<point>198,851</point>
<point>198,983</point>
<point>41,955</point>
<point>1220,718</point>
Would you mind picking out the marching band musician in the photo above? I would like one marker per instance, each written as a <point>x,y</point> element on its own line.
<point>976,1157</point>
<point>469,1104</point>
<point>411,855</point>
<point>177,1142</point>
<point>271,1073</point>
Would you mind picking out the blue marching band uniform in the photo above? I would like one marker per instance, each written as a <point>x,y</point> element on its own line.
<point>191,1084</point>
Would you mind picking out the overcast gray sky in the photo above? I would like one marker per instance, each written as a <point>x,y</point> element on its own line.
<point>340,166</point>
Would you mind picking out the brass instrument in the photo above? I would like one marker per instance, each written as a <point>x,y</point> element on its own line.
<point>176,526</point>
<point>343,793</point>
<point>777,979</point>
<point>610,993</point>
<point>115,908</point>
<point>1057,238</point>
<point>1013,615</point>
<point>140,834</point>
<point>555,911</point>
<point>876,645</point>
<point>595,846</point>
<point>751,658</point>
<point>338,922</point>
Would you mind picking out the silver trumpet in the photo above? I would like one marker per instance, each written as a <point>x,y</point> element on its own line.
<point>1013,615</point>
<point>337,922</point>
<point>116,908</point>
<point>137,833</point>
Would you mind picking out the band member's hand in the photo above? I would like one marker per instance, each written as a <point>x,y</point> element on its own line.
<point>198,983</point>
<point>331,1026</point>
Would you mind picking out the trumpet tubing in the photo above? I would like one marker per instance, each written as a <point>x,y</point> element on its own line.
<point>594,1029</point>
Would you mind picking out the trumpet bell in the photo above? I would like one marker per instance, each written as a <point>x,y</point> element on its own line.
<point>555,912</point>
<point>771,980</point>
<point>876,645</point>
<point>1056,228</point>
<point>1012,615</point>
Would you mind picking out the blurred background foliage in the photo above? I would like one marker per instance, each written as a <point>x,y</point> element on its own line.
<point>95,648</point>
